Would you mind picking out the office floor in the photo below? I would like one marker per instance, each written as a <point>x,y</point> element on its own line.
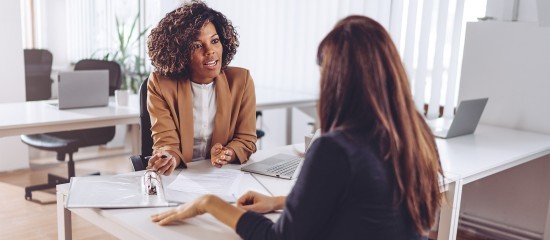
<point>28,220</point>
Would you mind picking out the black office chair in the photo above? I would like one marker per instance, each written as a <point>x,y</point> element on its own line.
<point>139,162</point>
<point>115,72</point>
<point>68,142</point>
<point>38,68</point>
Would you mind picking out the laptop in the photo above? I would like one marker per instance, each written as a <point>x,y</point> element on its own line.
<point>280,165</point>
<point>465,121</point>
<point>80,89</point>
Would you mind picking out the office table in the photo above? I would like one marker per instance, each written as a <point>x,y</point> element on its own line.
<point>136,224</point>
<point>40,117</point>
<point>489,151</point>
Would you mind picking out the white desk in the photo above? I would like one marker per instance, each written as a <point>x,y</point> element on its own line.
<point>40,117</point>
<point>490,150</point>
<point>136,224</point>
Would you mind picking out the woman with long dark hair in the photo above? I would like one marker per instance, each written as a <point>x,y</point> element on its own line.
<point>374,172</point>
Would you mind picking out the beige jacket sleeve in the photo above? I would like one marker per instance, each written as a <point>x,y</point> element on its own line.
<point>243,141</point>
<point>163,128</point>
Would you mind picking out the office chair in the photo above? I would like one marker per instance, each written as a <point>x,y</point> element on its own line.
<point>259,132</point>
<point>68,142</point>
<point>115,72</point>
<point>139,162</point>
<point>38,68</point>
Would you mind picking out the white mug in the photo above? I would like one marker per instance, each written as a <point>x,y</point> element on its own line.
<point>121,97</point>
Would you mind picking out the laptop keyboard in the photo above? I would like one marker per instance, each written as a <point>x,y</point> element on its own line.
<point>285,168</point>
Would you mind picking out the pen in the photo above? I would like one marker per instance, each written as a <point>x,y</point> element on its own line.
<point>149,157</point>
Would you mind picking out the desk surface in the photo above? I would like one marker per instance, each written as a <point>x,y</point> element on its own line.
<point>136,224</point>
<point>38,117</point>
<point>489,150</point>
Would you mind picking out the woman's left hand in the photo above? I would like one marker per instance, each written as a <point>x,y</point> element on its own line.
<point>182,212</point>
<point>220,155</point>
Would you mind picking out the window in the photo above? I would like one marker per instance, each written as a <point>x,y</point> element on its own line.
<point>87,27</point>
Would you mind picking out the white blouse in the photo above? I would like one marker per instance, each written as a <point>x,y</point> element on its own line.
<point>204,112</point>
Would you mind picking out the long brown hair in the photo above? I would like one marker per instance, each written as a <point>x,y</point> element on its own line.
<point>364,85</point>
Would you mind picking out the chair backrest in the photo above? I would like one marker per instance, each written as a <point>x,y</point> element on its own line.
<point>38,68</point>
<point>145,120</point>
<point>115,72</point>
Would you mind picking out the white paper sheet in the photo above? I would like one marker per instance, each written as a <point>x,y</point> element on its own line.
<point>220,182</point>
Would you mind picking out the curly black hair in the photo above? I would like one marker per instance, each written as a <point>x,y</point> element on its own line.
<point>170,42</point>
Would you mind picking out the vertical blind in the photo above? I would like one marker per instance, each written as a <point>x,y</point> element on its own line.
<point>92,25</point>
<point>279,39</point>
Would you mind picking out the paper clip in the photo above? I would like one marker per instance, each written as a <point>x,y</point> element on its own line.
<point>151,181</point>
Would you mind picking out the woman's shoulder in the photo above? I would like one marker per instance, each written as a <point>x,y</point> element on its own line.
<point>331,143</point>
<point>155,79</point>
<point>353,145</point>
<point>238,78</point>
<point>236,73</point>
<point>158,80</point>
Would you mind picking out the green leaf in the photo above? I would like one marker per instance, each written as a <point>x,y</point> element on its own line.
<point>133,66</point>
<point>132,30</point>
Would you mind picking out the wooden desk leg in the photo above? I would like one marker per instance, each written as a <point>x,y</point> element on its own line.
<point>136,139</point>
<point>450,211</point>
<point>64,226</point>
<point>289,126</point>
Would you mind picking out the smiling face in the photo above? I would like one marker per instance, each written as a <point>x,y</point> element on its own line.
<point>206,58</point>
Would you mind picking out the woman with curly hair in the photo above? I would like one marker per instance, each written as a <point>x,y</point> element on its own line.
<point>373,173</point>
<point>200,107</point>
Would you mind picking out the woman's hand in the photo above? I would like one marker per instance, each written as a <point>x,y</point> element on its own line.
<point>164,162</point>
<point>220,155</point>
<point>182,212</point>
<point>221,210</point>
<point>257,202</point>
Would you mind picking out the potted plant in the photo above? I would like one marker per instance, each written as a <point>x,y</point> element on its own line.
<point>134,67</point>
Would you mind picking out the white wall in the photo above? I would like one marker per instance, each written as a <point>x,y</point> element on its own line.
<point>13,153</point>
<point>509,62</point>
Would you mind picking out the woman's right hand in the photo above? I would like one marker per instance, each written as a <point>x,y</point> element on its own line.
<point>257,202</point>
<point>162,161</point>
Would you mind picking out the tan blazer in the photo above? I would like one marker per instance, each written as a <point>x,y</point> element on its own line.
<point>170,105</point>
